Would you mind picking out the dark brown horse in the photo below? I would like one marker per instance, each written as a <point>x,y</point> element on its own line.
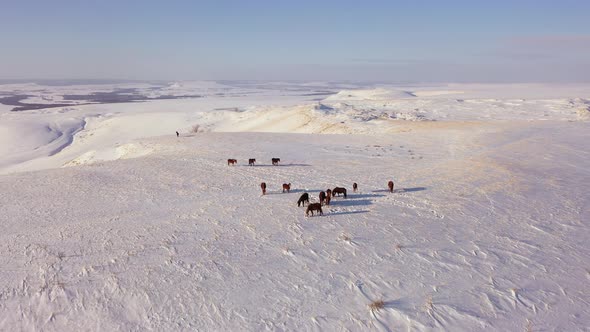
<point>314,207</point>
<point>354,187</point>
<point>231,162</point>
<point>263,187</point>
<point>286,187</point>
<point>251,161</point>
<point>328,196</point>
<point>322,197</point>
<point>390,186</point>
<point>275,161</point>
<point>339,190</point>
<point>304,198</point>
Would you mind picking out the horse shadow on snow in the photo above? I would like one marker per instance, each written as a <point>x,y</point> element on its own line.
<point>347,212</point>
<point>350,202</point>
<point>355,196</point>
<point>401,191</point>
<point>280,165</point>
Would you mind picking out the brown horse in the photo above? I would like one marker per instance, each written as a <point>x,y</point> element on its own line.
<point>231,162</point>
<point>328,196</point>
<point>251,161</point>
<point>339,190</point>
<point>286,187</point>
<point>275,161</point>
<point>263,187</point>
<point>390,186</point>
<point>354,187</point>
<point>304,198</point>
<point>322,197</point>
<point>314,207</point>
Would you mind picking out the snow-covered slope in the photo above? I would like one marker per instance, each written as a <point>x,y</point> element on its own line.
<point>486,230</point>
<point>32,137</point>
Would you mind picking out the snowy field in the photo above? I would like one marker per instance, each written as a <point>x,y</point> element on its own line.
<point>111,222</point>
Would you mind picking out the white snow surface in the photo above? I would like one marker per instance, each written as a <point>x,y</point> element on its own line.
<point>111,222</point>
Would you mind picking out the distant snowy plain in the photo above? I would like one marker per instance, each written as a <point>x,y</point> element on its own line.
<point>111,222</point>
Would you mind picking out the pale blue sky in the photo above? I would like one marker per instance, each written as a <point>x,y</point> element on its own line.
<point>396,41</point>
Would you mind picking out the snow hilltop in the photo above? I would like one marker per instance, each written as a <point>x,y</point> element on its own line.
<point>112,222</point>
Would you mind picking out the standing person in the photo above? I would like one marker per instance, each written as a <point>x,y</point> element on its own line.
<point>177,134</point>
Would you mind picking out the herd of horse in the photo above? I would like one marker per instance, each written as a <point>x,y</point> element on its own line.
<point>324,196</point>
<point>252,161</point>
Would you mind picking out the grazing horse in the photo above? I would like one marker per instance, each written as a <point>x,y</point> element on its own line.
<point>304,198</point>
<point>231,162</point>
<point>354,187</point>
<point>328,196</point>
<point>314,207</point>
<point>390,186</point>
<point>322,197</point>
<point>263,187</point>
<point>251,161</point>
<point>339,190</point>
<point>275,161</point>
<point>286,187</point>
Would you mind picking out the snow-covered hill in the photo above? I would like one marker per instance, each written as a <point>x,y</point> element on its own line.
<point>127,227</point>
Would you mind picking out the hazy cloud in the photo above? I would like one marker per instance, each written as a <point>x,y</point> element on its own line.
<point>552,43</point>
<point>390,61</point>
<point>550,49</point>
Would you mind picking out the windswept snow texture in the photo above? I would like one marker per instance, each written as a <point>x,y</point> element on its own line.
<point>110,222</point>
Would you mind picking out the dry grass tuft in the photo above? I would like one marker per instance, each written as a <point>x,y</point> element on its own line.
<point>345,237</point>
<point>377,305</point>
<point>429,305</point>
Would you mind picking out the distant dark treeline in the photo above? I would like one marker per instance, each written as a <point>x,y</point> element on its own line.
<point>117,96</point>
<point>68,82</point>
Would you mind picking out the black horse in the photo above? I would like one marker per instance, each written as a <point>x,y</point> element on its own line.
<point>304,198</point>
<point>339,190</point>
